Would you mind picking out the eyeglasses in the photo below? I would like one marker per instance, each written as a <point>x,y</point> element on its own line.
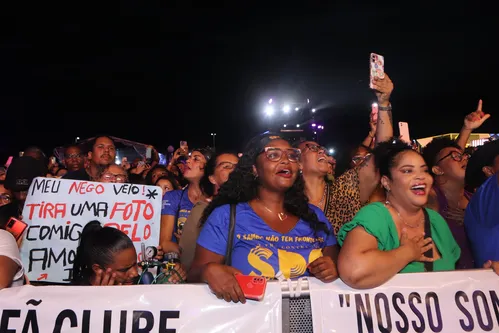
<point>456,156</point>
<point>70,156</point>
<point>112,177</point>
<point>227,165</point>
<point>361,159</point>
<point>275,154</point>
<point>315,148</point>
<point>5,199</point>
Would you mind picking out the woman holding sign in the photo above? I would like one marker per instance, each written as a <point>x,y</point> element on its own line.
<point>398,236</point>
<point>276,231</point>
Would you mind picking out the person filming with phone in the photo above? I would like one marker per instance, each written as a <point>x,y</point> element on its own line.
<point>275,231</point>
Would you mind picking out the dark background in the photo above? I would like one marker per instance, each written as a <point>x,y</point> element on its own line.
<point>158,75</point>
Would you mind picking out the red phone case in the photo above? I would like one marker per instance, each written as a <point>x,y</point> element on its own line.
<point>16,227</point>
<point>253,287</point>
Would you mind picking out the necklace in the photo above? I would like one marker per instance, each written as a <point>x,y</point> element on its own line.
<point>388,203</point>
<point>282,216</point>
<point>323,197</point>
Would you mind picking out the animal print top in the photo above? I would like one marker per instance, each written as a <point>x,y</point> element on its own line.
<point>343,199</point>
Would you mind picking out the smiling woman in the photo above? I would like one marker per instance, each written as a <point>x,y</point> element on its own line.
<point>275,229</point>
<point>399,235</point>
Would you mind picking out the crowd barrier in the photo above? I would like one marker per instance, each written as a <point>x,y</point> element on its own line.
<point>459,301</point>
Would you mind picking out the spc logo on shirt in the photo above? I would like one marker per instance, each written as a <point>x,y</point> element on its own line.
<point>291,264</point>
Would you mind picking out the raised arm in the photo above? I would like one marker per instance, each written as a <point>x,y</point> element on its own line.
<point>362,265</point>
<point>471,122</point>
<point>383,88</point>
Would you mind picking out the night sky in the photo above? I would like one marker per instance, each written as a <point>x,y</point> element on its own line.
<point>158,75</point>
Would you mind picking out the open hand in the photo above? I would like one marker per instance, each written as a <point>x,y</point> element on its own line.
<point>324,269</point>
<point>476,118</point>
<point>223,283</point>
<point>417,246</point>
<point>104,278</point>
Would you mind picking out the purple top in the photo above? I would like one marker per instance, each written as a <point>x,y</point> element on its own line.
<point>455,220</point>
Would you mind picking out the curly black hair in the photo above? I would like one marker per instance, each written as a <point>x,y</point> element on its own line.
<point>436,145</point>
<point>242,186</point>
<point>386,153</point>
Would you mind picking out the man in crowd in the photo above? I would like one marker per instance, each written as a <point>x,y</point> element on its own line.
<point>101,154</point>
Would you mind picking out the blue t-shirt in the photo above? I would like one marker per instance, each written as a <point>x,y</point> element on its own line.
<point>177,202</point>
<point>482,222</point>
<point>260,250</point>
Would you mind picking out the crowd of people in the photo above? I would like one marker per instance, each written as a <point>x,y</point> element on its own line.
<point>278,209</point>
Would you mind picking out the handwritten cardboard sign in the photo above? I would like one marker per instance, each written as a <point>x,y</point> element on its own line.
<point>56,211</point>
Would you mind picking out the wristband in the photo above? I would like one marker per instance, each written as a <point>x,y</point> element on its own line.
<point>385,108</point>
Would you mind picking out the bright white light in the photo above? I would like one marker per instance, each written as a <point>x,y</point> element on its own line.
<point>297,125</point>
<point>269,110</point>
<point>213,134</point>
<point>296,109</point>
<point>270,101</point>
<point>331,151</point>
<point>375,105</point>
<point>308,101</point>
<point>77,138</point>
<point>286,108</point>
<point>313,110</point>
<point>284,125</point>
<point>315,132</point>
<point>313,125</point>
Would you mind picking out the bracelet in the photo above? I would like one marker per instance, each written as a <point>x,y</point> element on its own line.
<point>385,108</point>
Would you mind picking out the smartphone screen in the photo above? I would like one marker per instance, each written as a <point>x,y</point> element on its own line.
<point>374,112</point>
<point>183,146</point>
<point>148,153</point>
<point>9,161</point>
<point>377,68</point>
<point>16,227</point>
<point>404,132</point>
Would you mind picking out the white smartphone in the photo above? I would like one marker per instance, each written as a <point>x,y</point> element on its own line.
<point>148,153</point>
<point>377,68</point>
<point>404,132</point>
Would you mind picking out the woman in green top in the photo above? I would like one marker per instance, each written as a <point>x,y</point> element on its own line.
<point>385,239</point>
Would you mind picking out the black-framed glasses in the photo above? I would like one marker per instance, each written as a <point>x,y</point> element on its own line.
<point>361,159</point>
<point>315,148</point>
<point>275,154</point>
<point>456,156</point>
<point>226,165</point>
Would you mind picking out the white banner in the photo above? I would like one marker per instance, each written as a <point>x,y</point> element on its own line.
<point>447,302</point>
<point>135,309</point>
<point>56,211</point>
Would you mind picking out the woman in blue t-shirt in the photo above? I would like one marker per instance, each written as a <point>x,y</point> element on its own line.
<point>276,230</point>
<point>177,204</point>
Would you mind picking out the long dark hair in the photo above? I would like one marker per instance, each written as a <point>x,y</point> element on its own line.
<point>386,153</point>
<point>98,245</point>
<point>206,186</point>
<point>242,186</point>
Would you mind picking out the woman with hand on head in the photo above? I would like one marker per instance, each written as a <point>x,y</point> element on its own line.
<point>399,236</point>
<point>275,229</point>
<point>106,256</point>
